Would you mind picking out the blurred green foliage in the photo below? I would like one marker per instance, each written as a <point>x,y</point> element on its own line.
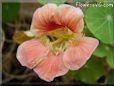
<point>10,11</point>
<point>110,80</point>
<point>51,1</point>
<point>83,1</point>
<point>106,1</point>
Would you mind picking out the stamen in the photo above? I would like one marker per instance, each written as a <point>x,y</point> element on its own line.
<point>59,38</point>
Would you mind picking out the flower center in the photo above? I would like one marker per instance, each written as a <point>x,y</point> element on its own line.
<point>58,39</point>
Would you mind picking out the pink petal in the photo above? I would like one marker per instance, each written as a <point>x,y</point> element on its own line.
<point>51,67</point>
<point>80,26</point>
<point>44,18</point>
<point>30,53</point>
<point>77,55</point>
<point>71,17</point>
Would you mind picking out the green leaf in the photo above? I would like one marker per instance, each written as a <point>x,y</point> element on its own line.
<point>110,80</point>
<point>21,36</point>
<point>99,21</point>
<point>10,11</point>
<point>105,1</point>
<point>82,1</point>
<point>52,1</point>
<point>101,50</point>
<point>91,72</point>
<point>110,58</point>
<point>87,32</point>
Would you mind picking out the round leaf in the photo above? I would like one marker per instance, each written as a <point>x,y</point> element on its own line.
<point>91,72</point>
<point>99,21</point>
<point>110,58</point>
<point>101,50</point>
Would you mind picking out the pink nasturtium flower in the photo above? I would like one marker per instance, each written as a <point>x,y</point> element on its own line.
<point>59,44</point>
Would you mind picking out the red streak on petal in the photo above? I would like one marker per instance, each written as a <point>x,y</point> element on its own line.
<point>52,26</point>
